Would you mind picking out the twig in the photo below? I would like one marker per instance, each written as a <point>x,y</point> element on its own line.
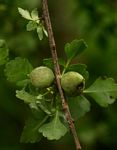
<point>58,74</point>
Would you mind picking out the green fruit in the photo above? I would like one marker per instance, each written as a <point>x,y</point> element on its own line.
<point>73,83</point>
<point>42,77</point>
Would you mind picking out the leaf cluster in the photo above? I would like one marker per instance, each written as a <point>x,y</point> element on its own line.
<point>34,23</point>
<point>47,117</point>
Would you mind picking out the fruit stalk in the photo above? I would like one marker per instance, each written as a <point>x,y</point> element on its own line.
<point>58,74</point>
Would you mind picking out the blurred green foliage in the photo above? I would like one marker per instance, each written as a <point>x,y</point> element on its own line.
<point>96,22</point>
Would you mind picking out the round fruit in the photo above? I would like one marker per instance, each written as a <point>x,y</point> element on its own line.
<point>42,77</point>
<point>72,82</point>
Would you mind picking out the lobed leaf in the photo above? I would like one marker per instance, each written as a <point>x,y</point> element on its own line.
<point>34,15</point>
<point>4,52</point>
<point>62,62</point>
<point>25,13</point>
<point>40,32</point>
<point>43,105</point>
<point>45,32</point>
<point>30,132</point>
<point>17,70</point>
<point>25,96</point>
<point>79,106</point>
<point>53,130</point>
<point>75,48</point>
<point>23,83</point>
<point>32,25</point>
<point>103,91</point>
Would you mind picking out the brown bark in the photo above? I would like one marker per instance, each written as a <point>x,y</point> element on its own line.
<point>58,74</point>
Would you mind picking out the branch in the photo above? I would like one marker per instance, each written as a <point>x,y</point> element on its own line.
<point>58,74</point>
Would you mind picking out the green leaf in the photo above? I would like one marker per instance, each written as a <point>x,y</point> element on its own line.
<point>80,68</point>
<point>45,32</point>
<point>103,91</point>
<point>17,70</point>
<point>23,83</point>
<point>34,15</point>
<point>74,48</point>
<point>79,106</point>
<point>25,13</point>
<point>25,96</point>
<point>43,105</point>
<point>49,63</point>
<point>4,52</point>
<point>30,132</point>
<point>37,113</point>
<point>34,101</point>
<point>53,130</point>
<point>32,25</point>
<point>62,62</point>
<point>40,32</point>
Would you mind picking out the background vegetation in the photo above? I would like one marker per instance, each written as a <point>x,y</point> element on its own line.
<point>96,22</point>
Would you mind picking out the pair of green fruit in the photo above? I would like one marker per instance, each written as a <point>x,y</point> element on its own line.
<point>71,82</point>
